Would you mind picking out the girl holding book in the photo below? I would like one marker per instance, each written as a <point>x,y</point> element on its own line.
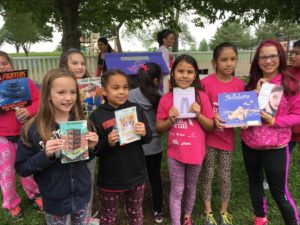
<point>265,148</point>
<point>122,168</point>
<point>10,126</point>
<point>147,95</point>
<point>186,137</point>
<point>65,188</point>
<point>220,142</point>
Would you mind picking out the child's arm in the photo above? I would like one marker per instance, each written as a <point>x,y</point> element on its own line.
<point>164,125</point>
<point>206,123</point>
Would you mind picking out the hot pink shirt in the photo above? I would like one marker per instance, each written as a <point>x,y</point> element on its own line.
<point>186,138</point>
<point>296,128</point>
<point>213,86</point>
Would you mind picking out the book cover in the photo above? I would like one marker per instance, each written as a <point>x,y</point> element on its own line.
<point>183,99</point>
<point>14,90</point>
<point>76,144</point>
<point>90,93</point>
<point>269,98</point>
<point>126,119</point>
<point>239,109</point>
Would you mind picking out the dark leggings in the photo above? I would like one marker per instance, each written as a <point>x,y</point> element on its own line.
<point>275,164</point>
<point>153,169</point>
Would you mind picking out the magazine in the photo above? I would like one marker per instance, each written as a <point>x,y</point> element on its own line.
<point>14,90</point>
<point>126,119</point>
<point>90,93</point>
<point>239,109</point>
<point>183,99</point>
<point>269,98</point>
<point>76,144</point>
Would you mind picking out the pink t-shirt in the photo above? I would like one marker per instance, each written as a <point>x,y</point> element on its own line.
<point>186,138</point>
<point>213,86</point>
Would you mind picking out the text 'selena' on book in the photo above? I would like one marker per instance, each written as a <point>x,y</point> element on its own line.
<point>269,98</point>
<point>76,144</point>
<point>183,99</point>
<point>126,119</point>
<point>14,90</point>
<point>239,109</point>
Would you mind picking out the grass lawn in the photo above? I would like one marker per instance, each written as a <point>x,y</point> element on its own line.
<point>240,206</point>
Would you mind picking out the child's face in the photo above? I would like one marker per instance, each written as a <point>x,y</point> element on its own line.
<point>76,65</point>
<point>63,95</point>
<point>184,74</point>
<point>226,62</point>
<point>5,65</point>
<point>268,61</point>
<point>116,90</point>
<point>295,57</point>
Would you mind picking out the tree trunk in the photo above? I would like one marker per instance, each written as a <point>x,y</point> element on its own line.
<point>17,48</point>
<point>25,49</point>
<point>117,33</point>
<point>69,11</point>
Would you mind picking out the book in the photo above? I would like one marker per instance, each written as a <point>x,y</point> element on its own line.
<point>125,120</point>
<point>14,90</point>
<point>90,93</point>
<point>239,109</point>
<point>183,99</point>
<point>269,98</point>
<point>76,144</point>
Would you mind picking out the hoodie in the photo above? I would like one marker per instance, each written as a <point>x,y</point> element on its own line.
<point>155,146</point>
<point>120,167</point>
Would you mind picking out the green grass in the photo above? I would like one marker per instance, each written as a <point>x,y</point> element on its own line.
<point>240,206</point>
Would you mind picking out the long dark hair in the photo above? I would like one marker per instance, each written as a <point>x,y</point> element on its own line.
<point>63,62</point>
<point>288,82</point>
<point>196,83</point>
<point>163,34</point>
<point>105,42</point>
<point>145,80</point>
<point>219,48</point>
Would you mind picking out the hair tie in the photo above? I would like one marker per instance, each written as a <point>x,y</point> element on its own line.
<point>145,67</point>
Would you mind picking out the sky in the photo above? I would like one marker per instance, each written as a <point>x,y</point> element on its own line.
<point>133,45</point>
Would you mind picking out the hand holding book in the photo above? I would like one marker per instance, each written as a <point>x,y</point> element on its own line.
<point>93,139</point>
<point>113,138</point>
<point>195,108</point>
<point>267,117</point>
<point>140,129</point>
<point>173,114</point>
<point>53,146</point>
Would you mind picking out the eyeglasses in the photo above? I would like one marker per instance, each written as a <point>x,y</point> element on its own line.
<point>265,58</point>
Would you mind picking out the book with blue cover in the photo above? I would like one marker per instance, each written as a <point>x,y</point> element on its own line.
<point>239,109</point>
<point>76,144</point>
<point>14,90</point>
<point>126,119</point>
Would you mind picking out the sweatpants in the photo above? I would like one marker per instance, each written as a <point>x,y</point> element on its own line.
<point>133,206</point>
<point>153,163</point>
<point>183,178</point>
<point>275,164</point>
<point>8,176</point>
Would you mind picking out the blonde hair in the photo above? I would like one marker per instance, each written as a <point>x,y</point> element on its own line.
<point>45,118</point>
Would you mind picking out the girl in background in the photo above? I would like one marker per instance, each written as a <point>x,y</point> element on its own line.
<point>122,169</point>
<point>104,47</point>
<point>221,141</point>
<point>184,161</point>
<point>65,188</point>
<point>10,126</point>
<point>295,70</point>
<point>147,95</point>
<point>265,148</point>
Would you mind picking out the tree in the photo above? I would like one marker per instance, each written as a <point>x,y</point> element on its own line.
<point>20,31</point>
<point>235,33</point>
<point>203,45</point>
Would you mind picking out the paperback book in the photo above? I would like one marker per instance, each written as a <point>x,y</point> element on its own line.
<point>126,119</point>
<point>239,109</point>
<point>76,144</point>
<point>90,93</point>
<point>183,99</point>
<point>269,98</point>
<point>14,90</point>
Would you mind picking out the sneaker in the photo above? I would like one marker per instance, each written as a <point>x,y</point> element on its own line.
<point>261,221</point>
<point>187,221</point>
<point>208,219</point>
<point>158,216</point>
<point>226,219</point>
<point>15,213</point>
<point>38,204</point>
